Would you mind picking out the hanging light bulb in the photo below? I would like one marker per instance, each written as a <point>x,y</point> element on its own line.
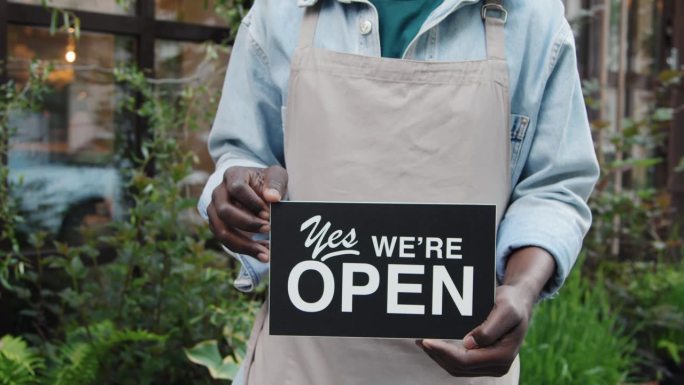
<point>70,55</point>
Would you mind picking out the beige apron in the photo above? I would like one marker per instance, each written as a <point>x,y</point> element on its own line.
<point>370,129</point>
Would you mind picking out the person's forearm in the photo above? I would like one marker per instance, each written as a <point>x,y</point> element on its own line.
<point>529,268</point>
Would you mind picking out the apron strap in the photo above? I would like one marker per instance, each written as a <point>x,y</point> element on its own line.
<point>495,16</point>
<point>309,24</point>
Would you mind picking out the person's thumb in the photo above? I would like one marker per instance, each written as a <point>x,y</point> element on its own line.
<point>275,184</point>
<point>500,321</point>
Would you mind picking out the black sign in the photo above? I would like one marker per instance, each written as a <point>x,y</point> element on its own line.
<point>381,270</point>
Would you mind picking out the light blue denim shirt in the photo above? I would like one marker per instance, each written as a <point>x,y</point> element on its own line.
<point>553,165</point>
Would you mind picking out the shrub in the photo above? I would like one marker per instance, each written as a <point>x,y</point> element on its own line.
<point>19,364</point>
<point>576,339</point>
<point>651,296</point>
<point>162,280</point>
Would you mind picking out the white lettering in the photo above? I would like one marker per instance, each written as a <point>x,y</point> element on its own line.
<point>384,247</point>
<point>452,246</point>
<point>348,288</point>
<point>349,240</point>
<point>441,278</point>
<point>433,245</point>
<point>405,246</point>
<point>318,238</point>
<point>394,288</point>
<point>328,286</point>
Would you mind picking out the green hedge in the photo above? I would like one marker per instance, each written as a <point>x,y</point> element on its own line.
<point>576,339</point>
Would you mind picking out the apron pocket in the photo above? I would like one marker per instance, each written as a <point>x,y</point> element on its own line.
<point>519,125</point>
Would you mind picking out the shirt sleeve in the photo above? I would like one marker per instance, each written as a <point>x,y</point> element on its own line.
<point>548,206</point>
<point>247,129</point>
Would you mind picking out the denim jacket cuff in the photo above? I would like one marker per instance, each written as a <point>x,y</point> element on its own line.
<point>252,272</point>
<point>556,235</point>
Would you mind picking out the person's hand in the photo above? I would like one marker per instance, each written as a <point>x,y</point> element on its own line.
<point>490,349</point>
<point>240,207</point>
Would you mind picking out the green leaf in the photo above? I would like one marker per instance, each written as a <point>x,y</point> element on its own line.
<point>53,22</point>
<point>206,354</point>
<point>78,365</point>
<point>77,268</point>
<point>641,163</point>
<point>77,28</point>
<point>680,166</point>
<point>629,126</point>
<point>663,114</point>
<point>67,23</point>
<point>15,350</point>
<point>670,77</point>
<point>671,348</point>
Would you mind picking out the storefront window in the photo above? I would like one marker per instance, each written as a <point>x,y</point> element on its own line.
<point>183,64</point>
<point>120,7</point>
<point>188,11</point>
<point>63,157</point>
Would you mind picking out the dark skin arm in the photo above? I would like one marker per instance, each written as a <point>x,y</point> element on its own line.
<point>491,348</point>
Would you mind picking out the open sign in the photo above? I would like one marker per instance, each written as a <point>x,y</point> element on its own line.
<point>381,270</point>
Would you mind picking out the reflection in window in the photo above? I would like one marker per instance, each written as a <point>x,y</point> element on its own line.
<point>189,11</point>
<point>182,64</point>
<point>102,6</point>
<point>63,156</point>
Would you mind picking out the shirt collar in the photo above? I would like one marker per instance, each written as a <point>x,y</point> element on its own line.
<point>308,3</point>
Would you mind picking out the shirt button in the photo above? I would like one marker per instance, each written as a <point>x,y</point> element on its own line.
<point>365,27</point>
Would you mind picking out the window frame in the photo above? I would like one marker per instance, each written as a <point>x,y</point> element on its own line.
<point>142,26</point>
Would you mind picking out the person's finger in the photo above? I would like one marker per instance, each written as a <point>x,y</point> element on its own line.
<point>502,319</point>
<point>493,371</point>
<point>235,217</point>
<point>438,359</point>
<point>275,184</point>
<point>240,184</point>
<point>265,243</point>
<point>446,362</point>
<point>238,243</point>
<point>458,357</point>
<point>210,209</point>
<point>233,240</point>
